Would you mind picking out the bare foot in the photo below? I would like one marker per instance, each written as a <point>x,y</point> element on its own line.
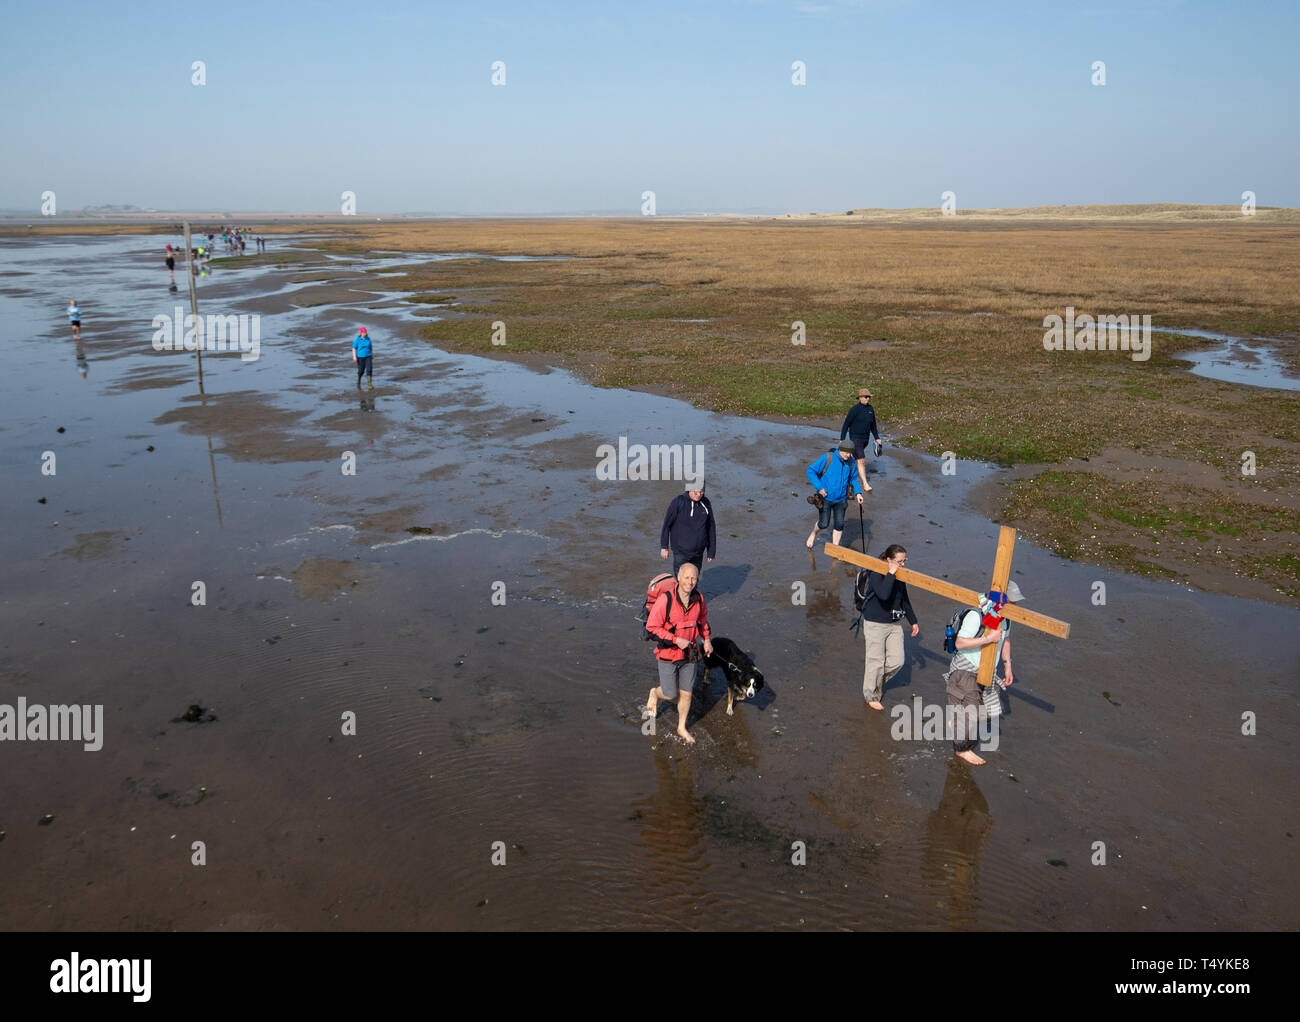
<point>866,489</point>
<point>971,758</point>
<point>811,540</point>
<point>652,703</point>
<point>685,736</point>
<point>876,705</point>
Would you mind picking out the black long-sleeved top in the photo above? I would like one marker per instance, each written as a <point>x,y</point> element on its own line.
<point>860,422</point>
<point>691,524</point>
<point>891,594</point>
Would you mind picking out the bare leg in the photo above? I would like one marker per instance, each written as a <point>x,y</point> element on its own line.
<point>835,536</point>
<point>683,711</point>
<point>862,474</point>
<point>652,701</point>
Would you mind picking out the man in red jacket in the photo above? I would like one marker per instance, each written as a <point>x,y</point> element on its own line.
<point>677,620</point>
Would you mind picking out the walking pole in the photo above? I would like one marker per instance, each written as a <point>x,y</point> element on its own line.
<point>862,522</point>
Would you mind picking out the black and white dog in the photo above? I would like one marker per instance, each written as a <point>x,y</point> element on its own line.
<point>743,679</point>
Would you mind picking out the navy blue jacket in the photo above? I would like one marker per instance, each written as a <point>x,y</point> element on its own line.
<point>690,524</point>
<point>891,594</point>
<point>860,422</point>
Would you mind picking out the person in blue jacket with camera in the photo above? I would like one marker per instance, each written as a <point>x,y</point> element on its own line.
<point>831,476</point>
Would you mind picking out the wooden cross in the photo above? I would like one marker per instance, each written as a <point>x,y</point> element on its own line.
<point>1001,576</point>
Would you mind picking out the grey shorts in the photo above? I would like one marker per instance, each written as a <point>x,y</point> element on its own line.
<point>682,672</point>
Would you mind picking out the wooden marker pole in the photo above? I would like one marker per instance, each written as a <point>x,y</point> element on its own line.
<point>194,305</point>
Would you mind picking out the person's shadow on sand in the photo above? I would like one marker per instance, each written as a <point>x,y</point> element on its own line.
<point>853,538</point>
<point>924,656</point>
<point>726,580</point>
<point>903,679</point>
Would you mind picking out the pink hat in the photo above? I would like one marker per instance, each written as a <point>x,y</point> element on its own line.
<point>363,330</point>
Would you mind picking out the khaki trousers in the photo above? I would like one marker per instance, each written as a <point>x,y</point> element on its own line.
<point>884,657</point>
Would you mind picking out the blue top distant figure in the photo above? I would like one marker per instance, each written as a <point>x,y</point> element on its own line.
<point>361,356</point>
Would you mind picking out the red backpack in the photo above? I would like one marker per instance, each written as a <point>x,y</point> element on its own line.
<point>654,592</point>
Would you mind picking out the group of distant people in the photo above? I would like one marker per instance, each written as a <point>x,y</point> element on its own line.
<point>236,241</point>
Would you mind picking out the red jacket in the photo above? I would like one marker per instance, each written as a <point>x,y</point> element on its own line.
<point>689,623</point>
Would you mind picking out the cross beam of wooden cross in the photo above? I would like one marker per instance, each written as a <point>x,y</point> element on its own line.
<point>1001,576</point>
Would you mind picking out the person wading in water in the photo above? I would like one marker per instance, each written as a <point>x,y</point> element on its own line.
<point>831,475</point>
<point>677,620</point>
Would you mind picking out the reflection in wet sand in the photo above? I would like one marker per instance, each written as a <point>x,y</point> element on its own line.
<point>955,834</point>
<point>671,826</point>
<point>825,603</point>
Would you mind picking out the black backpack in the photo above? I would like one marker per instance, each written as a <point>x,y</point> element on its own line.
<point>862,595</point>
<point>954,626</point>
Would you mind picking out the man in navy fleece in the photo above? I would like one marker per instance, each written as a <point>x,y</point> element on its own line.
<point>688,528</point>
<point>860,426</point>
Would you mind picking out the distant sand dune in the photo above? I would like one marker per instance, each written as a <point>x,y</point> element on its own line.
<point>1149,212</point>
<point>1156,212</point>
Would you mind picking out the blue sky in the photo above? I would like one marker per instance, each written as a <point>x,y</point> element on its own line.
<point>603,101</point>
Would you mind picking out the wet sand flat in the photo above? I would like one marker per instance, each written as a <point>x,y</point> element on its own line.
<point>479,722</point>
